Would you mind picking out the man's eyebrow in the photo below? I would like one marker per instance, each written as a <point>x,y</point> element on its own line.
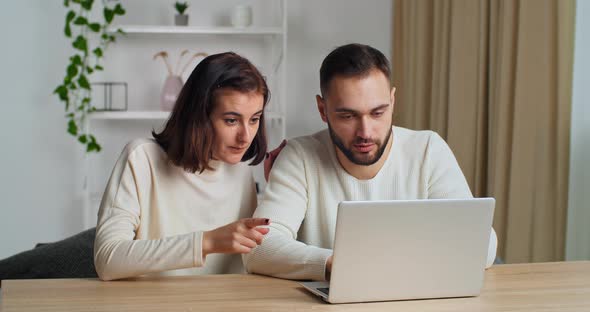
<point>382,106</point>
<point>345,110</point>
<point>348,110</point>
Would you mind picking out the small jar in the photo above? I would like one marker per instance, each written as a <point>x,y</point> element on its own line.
<point>241,16</point>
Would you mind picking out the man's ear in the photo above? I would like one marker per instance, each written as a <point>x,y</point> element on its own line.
<point>321,107</point>
<point>392,98</point>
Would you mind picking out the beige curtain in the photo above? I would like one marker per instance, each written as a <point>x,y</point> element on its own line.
<point>493,77</point>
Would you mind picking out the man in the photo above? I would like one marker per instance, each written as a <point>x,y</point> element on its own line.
<point>361,156</point>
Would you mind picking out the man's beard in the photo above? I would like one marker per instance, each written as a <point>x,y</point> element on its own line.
<point>350,154</point>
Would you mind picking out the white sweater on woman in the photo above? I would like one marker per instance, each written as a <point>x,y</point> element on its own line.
<point>153,214</point>
<point>307,182</point>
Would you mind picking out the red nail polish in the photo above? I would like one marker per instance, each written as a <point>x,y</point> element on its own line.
<point>266,221</point>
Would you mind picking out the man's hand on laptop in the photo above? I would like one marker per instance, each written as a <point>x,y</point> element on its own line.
<point>328,267</point>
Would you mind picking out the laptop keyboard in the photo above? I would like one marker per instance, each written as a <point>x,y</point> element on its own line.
<point>325,290</point>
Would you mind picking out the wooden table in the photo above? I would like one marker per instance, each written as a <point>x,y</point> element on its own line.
<point>561,286</point>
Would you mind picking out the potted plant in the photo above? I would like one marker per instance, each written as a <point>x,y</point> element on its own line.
<point>181,19</point>
<point>90,35</point>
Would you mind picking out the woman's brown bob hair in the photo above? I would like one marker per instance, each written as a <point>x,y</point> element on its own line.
<point>188,135</point>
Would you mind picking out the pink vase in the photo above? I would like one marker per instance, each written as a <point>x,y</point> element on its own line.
<point>170,92</point>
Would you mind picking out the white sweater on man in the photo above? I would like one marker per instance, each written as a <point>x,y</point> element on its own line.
<point>307,182</point>
<point>153,214</point>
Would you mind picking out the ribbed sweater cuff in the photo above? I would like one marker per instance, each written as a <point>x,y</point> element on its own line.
<point>198,249</point>
<point>316,267</point>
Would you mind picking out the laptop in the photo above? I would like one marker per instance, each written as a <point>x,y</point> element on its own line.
<point>408,249</point>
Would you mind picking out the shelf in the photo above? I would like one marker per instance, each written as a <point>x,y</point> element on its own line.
<point>135,115</point>
<point>151,29</point>
<point>151,115</point>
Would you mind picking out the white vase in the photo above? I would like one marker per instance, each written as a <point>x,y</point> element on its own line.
<point>170,92</point>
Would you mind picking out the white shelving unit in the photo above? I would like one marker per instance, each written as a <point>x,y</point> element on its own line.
<point>274,36</point>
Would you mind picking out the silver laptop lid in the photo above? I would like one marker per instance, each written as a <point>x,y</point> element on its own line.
<point>393,250</point>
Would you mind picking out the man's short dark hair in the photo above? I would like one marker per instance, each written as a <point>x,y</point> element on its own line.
<point>188,135</point>
<point>352,60</point>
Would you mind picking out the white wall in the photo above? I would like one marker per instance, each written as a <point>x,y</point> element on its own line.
<point>578,233</point>
<point>40,164</point>
<point>36,156</point>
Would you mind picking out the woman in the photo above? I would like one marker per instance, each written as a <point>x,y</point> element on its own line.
<point>172,202</point>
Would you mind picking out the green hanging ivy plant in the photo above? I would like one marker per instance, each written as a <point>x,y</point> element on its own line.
<point>74,92</point>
